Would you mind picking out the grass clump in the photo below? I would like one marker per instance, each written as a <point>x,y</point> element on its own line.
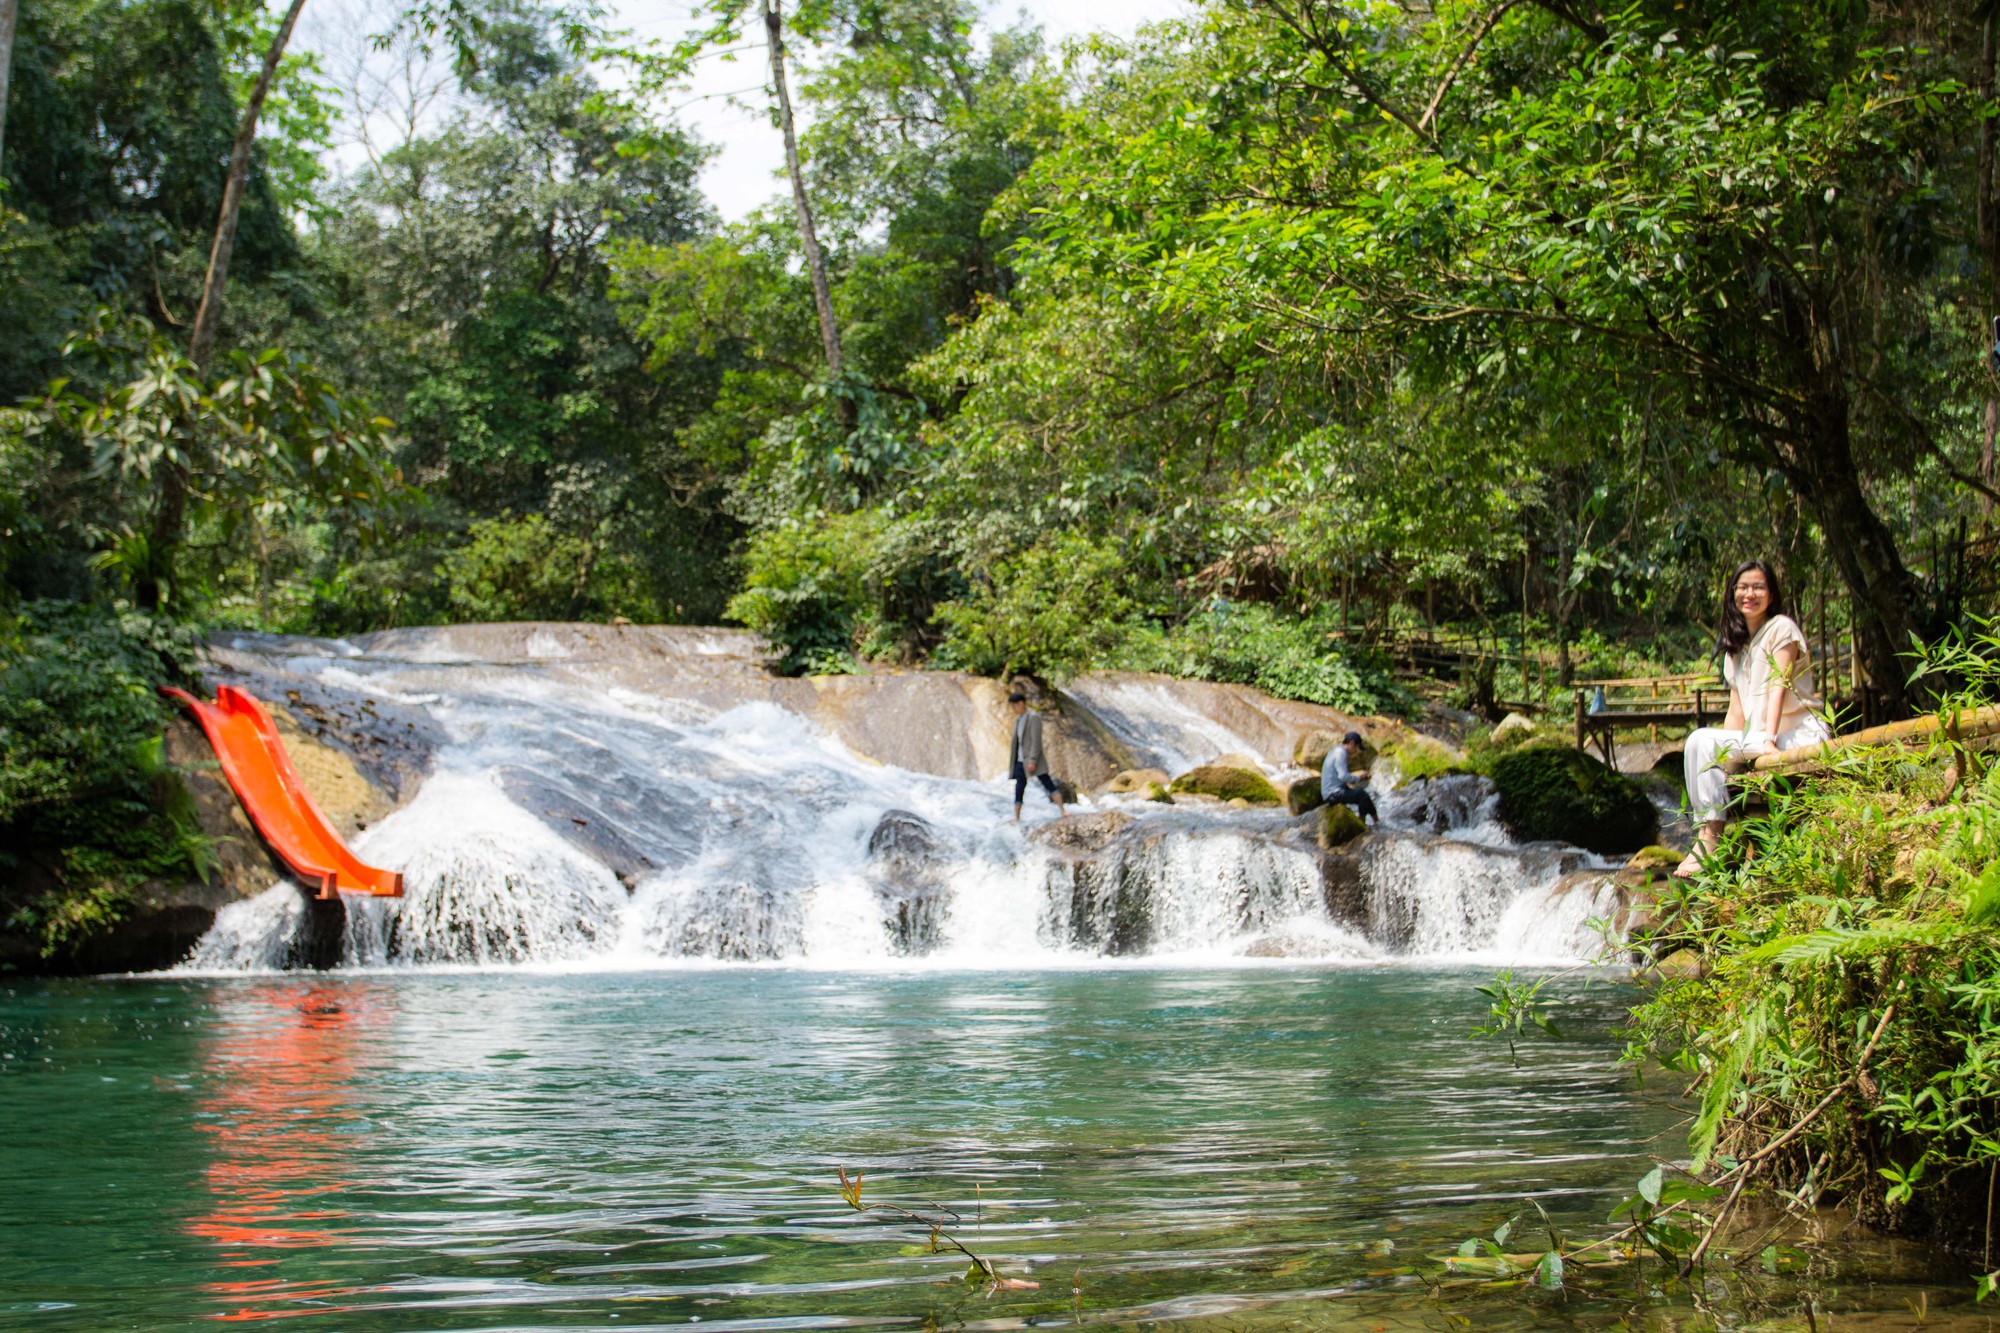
<point>1843,1028</point>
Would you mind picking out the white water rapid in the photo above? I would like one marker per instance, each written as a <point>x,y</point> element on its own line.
<point>597,803</point>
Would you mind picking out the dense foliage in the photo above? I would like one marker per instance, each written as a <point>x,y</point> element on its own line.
<point>87,807</point>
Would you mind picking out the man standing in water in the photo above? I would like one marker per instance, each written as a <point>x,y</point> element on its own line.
<point>1340,783</point>
<point>1026,759</point>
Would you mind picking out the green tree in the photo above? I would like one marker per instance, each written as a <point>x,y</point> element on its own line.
<point>1697,195</point>
<point>475,261</point>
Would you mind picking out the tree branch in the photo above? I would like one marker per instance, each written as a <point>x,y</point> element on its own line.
<point>1479,35</point>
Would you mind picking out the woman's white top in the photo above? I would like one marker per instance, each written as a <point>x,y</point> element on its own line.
<point>1753,676</point>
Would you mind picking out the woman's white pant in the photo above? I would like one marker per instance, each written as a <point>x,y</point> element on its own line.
<point>1706,749</point>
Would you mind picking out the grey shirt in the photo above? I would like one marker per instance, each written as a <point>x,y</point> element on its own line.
<point>1335,773</point>
<point>1027,748</point>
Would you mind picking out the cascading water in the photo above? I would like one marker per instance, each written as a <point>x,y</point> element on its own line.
<point>575,816</point>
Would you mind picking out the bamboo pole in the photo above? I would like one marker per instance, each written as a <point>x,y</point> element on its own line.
<point>1971,725</point>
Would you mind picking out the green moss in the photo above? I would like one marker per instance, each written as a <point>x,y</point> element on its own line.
<point>1560,794</point>
<point>1420,757</point>
<point>1339,825</point>
<point>1228,784</point>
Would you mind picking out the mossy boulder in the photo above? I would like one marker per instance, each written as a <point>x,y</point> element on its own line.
<point>1227,784</point>
<point>1513,729</point>
<point>1551,793</point>
<point>1303,795</point>
<point>1417,757</point>
<point>1649,864</point>
<point>1338,826</point>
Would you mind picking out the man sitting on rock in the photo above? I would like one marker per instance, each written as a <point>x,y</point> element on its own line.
<point>1026,759</point>
<point>1339,781</point>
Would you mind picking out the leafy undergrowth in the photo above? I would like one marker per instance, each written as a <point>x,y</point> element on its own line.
<point>1837,999</point>
<point>88,806</point>
<point>1288,657</point>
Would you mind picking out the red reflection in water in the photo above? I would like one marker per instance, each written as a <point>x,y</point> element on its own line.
<point>276,1079</point>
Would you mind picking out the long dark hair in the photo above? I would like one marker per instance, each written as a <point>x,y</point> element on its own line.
<point>1735,629</point>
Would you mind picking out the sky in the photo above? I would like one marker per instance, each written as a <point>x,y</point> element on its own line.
<point>392,93</point>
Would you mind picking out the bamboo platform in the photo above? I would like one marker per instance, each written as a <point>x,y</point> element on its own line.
<point>1979,726</point>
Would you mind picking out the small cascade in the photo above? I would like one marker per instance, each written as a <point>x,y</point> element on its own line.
<point>1176,886</point>
<point>1434,896</point>
<point>1464,805</point>
<point>570,821</point>
<point>254,935</point>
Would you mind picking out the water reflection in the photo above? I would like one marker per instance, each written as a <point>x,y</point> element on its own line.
<point>278,1117</point>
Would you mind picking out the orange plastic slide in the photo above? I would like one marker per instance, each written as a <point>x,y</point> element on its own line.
<point>255,762</point>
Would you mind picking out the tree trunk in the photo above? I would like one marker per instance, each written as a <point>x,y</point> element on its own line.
<point>1987,215</point>
<point>1565,607</point>
<point>9,10</point>
<point>170,515</point>
<point>829,332</point>
<point>1884,595</point>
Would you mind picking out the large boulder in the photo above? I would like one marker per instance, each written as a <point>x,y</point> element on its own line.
<point>1550,793</point>
<point>1310,750</point>
<point>1228,783</point>
<point>1135,782</point>
<point>1303,795</point>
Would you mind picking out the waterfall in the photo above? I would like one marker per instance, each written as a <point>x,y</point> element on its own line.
<point>579,813</point>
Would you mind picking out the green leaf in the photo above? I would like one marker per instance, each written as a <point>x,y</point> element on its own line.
<point>1649,1187</point>
<point>1549,1272</point>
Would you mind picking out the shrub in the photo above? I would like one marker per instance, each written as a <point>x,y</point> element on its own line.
<point>87,807</point>
<point>517,569</point>
<point>1282,655</point>
<point>806,591</point>
<point>1054,610</point>
<point>1555,793</point>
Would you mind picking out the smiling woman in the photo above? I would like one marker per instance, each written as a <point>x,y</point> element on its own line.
<point>1772,705</point>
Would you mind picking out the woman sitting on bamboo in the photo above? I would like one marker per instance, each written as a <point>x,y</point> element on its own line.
<point>1768,668</point>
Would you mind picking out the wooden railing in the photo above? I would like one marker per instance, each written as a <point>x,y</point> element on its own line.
<point>1603,708</point>
<point>1695,700</point>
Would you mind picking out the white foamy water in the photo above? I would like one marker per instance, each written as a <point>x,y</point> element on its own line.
<point>574,825</point>
<point>1160,730</point>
